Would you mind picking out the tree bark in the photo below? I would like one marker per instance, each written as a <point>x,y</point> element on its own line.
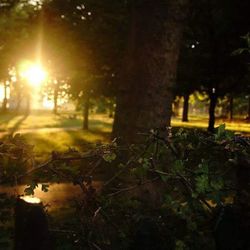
<point>248,116</point>
<point>176,107</point>
<point>212,106</point>
<point>231,106</point>
<point>144,100</point>
<point>28,100</point>
<point>5,100</point>
<point>31,227</point>
<point>55,96</point>
<point>185,108</point>
<point>18,100</point>
<point>86,113</point>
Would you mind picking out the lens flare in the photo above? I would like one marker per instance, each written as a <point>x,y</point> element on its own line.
<point>34,74</point>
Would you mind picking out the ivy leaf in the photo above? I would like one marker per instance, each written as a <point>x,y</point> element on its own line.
<point>202,183</point>
<point>203,168</point>
<point>109,157</point>
<point>146,163</point>
<point>164,178</point>
<point>180,245</point>
<point>168,199</point>
<point>140,172</point>
<point>221,132</point>
<point>217,184</point>
<point>30,189</point>
<point>45,188</point>
<point>178,166</point>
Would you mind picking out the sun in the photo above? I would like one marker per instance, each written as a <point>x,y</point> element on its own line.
<point>34,74</point>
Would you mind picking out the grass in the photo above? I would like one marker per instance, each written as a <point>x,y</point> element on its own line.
<point>45,119</point>
<point>239,125</point>
<point>46,142</point>
<point>49,132</point>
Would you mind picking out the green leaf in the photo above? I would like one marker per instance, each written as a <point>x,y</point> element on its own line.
<point>217,184</point>
<point>30,189</point>
<point>168,199</point>
<point>140,172</point>
<point>221,130</point>
<point>180,245</point>
<point>146,163</point>
<point>202,183</point>
<point>109,157</point>
<point>178,166</point>
<point>203,168</point>
<point>45,188</point>
<point>164,178</point>
<point>239,51</point>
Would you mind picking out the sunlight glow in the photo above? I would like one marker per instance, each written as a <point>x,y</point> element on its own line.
<point>30,199</point>
<point>34,74</point>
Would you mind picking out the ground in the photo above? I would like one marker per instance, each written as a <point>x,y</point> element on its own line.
<point>237,125</point>
<point>48,132</point>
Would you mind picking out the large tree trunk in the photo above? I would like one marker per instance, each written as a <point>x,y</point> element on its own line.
<point>185,108</point>
<point>85,125</point>
<point>144,100</point>
<point>212,106</point>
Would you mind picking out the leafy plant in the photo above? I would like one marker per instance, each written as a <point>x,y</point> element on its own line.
<point>170,187</point>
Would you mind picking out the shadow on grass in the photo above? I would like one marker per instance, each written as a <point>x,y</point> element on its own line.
<point>44,143</point>
<point>18,124</point>
<point>85,139</point>
<point>95,124</point>
<point>5,119</point>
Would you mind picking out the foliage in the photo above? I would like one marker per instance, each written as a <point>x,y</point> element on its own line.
<point>16,158</point>
<point>180,179</point>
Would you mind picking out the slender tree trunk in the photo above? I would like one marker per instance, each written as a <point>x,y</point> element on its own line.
<point>231,106</point>
<point>27,111</point>
<point>212,106</point>
<point>145,96</point>
<point>5,101</point>
<point>55,96</point>
<point>185,108</point>
<point>86,113</point>
<point>18,97</point>
<point>248,116</point>
<point>176,107</point>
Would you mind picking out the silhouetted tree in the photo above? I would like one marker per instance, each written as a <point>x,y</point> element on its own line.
<point>145,92</point>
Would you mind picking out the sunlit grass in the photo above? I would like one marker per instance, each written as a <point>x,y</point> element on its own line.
<point>46,142</point>
<point>49,132</point>
<point>198,122</point>
<point>43,119</point>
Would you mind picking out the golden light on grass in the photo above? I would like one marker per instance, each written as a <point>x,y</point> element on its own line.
<point>33,73</point>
